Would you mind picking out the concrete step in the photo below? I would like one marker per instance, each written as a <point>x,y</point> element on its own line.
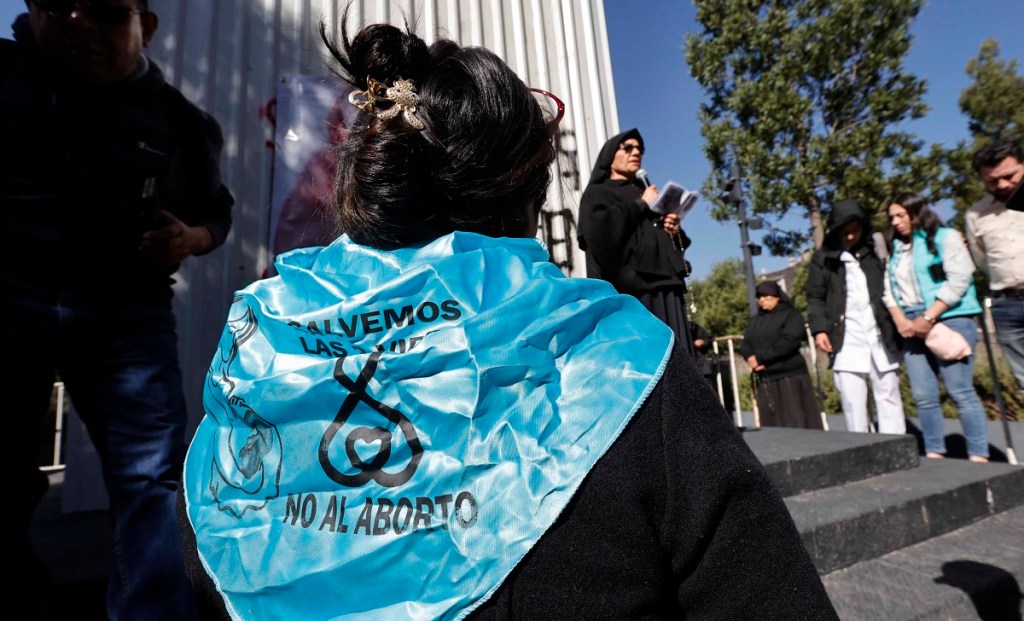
<point>998,442</point>
<point>865,519</point>
<point>801,460</point>
<point>975,572</point>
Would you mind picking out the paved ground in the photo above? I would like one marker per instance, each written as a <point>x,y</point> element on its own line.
<point>975,572</point>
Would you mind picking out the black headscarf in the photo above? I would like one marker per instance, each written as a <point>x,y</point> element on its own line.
<point>842,213</point>
<point>603,166</point>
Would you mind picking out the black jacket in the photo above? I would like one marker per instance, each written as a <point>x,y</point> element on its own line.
<point>776,337</point>
<point>623,239</point>
<point>826,281</point>
<point>678,520</point>
<point>75,163</point>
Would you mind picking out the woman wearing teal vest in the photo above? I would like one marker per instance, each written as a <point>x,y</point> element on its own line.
<point>929,281</point>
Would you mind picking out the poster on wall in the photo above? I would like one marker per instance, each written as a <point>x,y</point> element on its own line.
<point>313,114</point>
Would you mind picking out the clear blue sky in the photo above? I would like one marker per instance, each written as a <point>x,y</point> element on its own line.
<point>656,94</point>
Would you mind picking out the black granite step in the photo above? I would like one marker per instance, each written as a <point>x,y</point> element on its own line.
<point>865,519</point>
<point>975,572</point>
<point>801,460</point>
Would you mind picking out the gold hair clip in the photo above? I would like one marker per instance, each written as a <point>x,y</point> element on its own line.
<point>402,96</point>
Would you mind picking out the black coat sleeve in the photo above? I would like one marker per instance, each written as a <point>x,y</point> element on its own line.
<point>700,333</point>
<point>747,346</point>
<point>817,296</point>
<point>197,195</point>
<point>607,225</point>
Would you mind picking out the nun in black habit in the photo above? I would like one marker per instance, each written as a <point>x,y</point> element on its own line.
<point>629,245</point>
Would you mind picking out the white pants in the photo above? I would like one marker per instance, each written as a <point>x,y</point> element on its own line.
<point>853,393</point>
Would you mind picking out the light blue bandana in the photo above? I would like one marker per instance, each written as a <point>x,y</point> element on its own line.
<point>388,433</point>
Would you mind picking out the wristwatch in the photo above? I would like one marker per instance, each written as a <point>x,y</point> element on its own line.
<point>928,318</point>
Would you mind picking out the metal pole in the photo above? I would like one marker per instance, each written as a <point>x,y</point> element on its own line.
<point>58,431</point>
<point>748,260</point>
<point>817,377</point>
<point>735,386</point>
<point>1011,455</point>
<point>736,198</point>
<point>718,373</point>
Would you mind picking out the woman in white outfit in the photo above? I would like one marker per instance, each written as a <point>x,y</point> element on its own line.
<point>850,323</point>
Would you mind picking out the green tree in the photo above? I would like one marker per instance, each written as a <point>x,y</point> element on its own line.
<point>721,299</point>
<point>808,96</point>
<point>992,105</point>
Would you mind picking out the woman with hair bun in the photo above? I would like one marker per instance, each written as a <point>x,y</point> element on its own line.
<point>426,420</point>
<point>929,282</point>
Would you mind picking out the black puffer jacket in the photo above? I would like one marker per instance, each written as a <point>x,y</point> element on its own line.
<point>826,281</point>
<point>775,337</point>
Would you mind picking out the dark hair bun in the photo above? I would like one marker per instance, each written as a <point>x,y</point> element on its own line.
<point>384,52</point>
<point>479,164</point>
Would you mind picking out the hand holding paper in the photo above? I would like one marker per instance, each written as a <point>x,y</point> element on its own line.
<point>674,198</point>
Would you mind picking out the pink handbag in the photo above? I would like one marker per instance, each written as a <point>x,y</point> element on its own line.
<point>946,343</point>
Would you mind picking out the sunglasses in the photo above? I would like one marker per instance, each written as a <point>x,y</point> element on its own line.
<point>629,148</point>
<point>559,106</point>
<point>98,12</point>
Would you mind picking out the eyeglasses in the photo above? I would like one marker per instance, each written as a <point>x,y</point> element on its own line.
<point>629,148</point>
<point>559,106</point>
<point>99,12</point>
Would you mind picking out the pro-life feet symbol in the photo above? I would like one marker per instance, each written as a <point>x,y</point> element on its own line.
<point>372,469</point>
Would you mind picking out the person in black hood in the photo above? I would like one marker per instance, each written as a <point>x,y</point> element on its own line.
<point>629,245</point>
<point>771,346</point>
<point>845,282</point>
<point>109,180</point>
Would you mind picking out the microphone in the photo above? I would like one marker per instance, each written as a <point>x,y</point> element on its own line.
<point>641,176</point>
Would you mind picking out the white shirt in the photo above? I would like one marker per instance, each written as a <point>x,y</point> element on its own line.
<point>862,342</point>
<point>995,236</point>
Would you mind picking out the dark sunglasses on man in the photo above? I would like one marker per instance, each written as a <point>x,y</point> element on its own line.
<point>99,12</point>
<point>630,147</point>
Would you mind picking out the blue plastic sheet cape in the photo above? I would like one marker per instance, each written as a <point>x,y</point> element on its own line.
<point>388,433</point>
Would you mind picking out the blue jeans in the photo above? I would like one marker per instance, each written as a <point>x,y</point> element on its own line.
<point>924,369</point>
<point>119,363</point>
<point>1008,315</point>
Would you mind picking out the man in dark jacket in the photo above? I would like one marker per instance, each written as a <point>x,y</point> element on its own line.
<point>850,323</point>
<point>109,179</point>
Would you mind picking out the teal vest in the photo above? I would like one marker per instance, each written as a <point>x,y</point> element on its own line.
<point>928,286</point>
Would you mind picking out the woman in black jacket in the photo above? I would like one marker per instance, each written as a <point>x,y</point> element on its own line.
<point>850,323</point>
<point>476,436</point>
<point>771,346</point>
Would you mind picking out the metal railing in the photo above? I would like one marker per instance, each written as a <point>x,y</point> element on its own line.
<point>730,341</point>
